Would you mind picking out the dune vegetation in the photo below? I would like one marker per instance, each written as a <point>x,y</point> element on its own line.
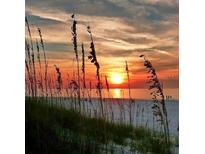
<point>58,125</point>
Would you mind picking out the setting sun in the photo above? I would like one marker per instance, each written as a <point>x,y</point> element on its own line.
<point>116,79</point>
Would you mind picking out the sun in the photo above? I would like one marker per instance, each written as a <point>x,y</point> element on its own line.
<point>116,79</point>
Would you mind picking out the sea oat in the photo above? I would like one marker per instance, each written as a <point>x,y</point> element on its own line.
<point>75,45</point>
<point>32,56</point>
<point>93,59</point>
<point>130,98</point>
<point>159,107</point>
<point>45,61</point>
<point>59,79</point>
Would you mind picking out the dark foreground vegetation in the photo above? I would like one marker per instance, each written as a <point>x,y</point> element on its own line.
<point>54,129</point>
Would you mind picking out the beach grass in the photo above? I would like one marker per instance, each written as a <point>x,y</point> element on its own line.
<point>54,129</point>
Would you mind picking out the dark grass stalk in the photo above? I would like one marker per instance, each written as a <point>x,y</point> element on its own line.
<point>50,86</point>
<point>109,102</point>
<point>122,109</point>
<point>75,45</point>
<point>53,84</point>
<point>29,76</point>
<point>27,48</point>
<point>123,99</point>
<point>45,62</point>
<point>130,98</point>
<point>92,57</point>
<point>83,65</point>
<point>67,86</point>
<point>34,74</point>
<point>90,97</point>
<point>137,115</point>
<point>29,31</point>
<point>90,91</point>
<point>74,89</point>
<point>59,81</point>
<point>27,86</point>
<point>108,91</point>
<point>93,60</point>
<point>159,107</point>
<point>30,68</point>
<point>40,67</point>
<point>32,56</point>
<point>83,72</point>
<point>69,94</point>
<point>142,114</point>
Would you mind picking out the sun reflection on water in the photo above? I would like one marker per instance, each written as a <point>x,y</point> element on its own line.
<point>117,93</point>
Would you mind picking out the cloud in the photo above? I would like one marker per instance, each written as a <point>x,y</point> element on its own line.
<point>121,29</point>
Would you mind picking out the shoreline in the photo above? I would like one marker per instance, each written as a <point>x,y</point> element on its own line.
<point>107,99</point>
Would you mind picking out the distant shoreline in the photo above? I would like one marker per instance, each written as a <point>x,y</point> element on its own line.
<point>110,99</point>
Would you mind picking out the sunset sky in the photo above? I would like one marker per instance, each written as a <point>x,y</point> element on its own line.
<point>122,30</point>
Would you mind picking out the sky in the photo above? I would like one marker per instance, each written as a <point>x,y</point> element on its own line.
<point>122,30</point>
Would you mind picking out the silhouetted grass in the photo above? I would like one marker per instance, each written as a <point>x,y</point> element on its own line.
<point>53,129</point>
<point>159,107</point>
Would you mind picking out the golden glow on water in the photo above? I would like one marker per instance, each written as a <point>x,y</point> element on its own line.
<point>140,93</point>
<point>135,93</point>
<point>116,93</point>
